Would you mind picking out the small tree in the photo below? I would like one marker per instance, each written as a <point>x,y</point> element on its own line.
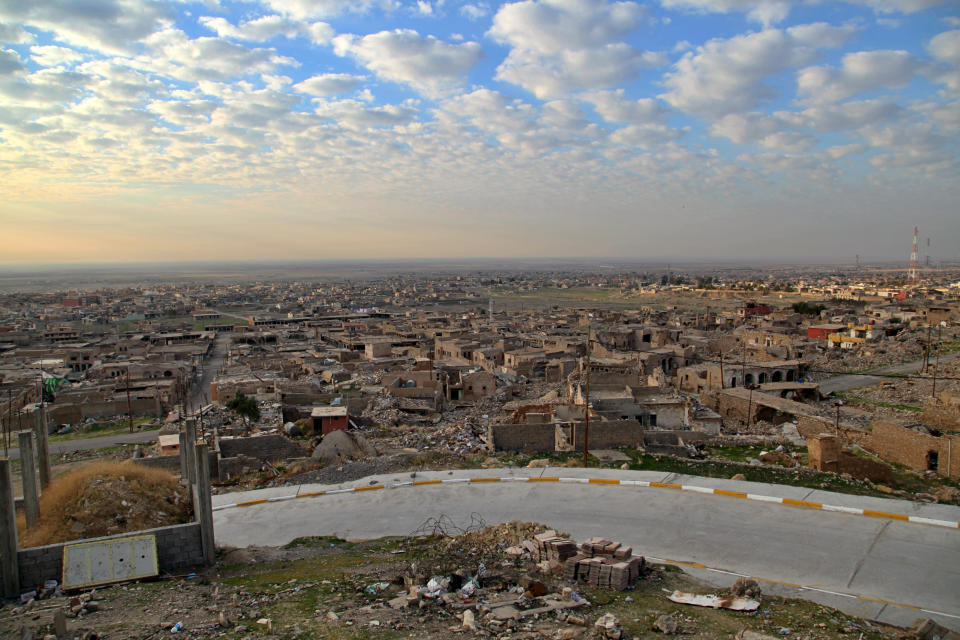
<point>245,406</point>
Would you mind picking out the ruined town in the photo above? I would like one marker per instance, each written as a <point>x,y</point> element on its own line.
<point>153,433</point>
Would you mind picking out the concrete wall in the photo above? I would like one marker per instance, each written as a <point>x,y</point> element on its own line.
<point>542,437</point>
<point>77,413</point>
<point>172,463</point>
<point>521,437</point>
<point>178,547</point>
<point>271,448</point>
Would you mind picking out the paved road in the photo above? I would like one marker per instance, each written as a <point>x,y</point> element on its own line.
<point>101,442</point>
<point>200,391</point>
<point>856,381</point>
<point>913,564</point>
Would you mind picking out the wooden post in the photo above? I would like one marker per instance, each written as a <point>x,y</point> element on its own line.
<point>9,565</point>
<point>28,471</point>
<point>202,505</point>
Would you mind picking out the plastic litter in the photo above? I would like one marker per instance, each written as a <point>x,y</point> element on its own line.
<point>177,627</point>
<point>436,586</point>
<point>375,588</point>
<point>469,587</point>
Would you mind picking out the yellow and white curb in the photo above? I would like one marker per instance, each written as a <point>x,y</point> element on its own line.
<point>949,524</point>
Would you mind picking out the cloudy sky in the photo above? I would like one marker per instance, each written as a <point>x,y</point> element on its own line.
<point>142,130</point>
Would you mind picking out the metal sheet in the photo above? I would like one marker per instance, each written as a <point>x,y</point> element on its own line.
<point>716,602</point>
<point>88,564</point>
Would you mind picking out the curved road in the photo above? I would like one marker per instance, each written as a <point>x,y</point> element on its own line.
<point>858,380</point>
<point>879,568</point>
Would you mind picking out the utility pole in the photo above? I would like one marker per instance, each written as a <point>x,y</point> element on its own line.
<point>926,351</point>
<point>586,419</point>
<point>933,391</point>
<point>721,370</point>
<point>129,407</point>
<point>42,447</point>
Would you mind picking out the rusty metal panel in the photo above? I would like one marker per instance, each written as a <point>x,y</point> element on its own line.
<point>88,564</point>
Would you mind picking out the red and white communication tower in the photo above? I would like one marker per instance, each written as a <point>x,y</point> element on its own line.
<point>912,273</point>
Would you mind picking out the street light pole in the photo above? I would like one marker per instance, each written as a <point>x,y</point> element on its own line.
<point>586,419</point>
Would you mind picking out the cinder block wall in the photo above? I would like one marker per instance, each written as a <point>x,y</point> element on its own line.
<point>908,447</point>
<point>272,448</point>
<point>522,437</point>
<point>172,463</point>
<point>178,547</point>
<point>542,438</point>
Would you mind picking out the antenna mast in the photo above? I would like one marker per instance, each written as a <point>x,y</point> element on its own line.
<point>912,273</point>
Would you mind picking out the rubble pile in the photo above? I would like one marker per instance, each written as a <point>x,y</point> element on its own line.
<point>105,498</point>
<point>383,410</point>
<point>458,439</point>
<point>489,541</point>
<point>901,348</point>
<point>341,446</point>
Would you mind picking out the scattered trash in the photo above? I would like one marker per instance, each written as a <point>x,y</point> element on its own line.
<point>376,587</point>
<point>716,602</point>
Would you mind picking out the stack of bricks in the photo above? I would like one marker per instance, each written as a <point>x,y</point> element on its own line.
<point>550,547</point>
<point>605,564</point>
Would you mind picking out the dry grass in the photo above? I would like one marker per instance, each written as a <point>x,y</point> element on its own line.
<point>106,498</point>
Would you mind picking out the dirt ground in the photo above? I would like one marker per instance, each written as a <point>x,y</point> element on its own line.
<point>331,588</point>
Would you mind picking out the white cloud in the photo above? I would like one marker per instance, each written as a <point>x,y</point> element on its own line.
<point>183,112</point>
<point>859,72</point>
<point>576,70</point>
<point>51,55</point>
<point>899,6</point>
<point>424,8</point>
<point>645,135</point>
<point>762,11</point>
<point>423,62</point>
<point>747,127</point>
<point>789,141</point>
<point>264,28</point>
<point>328,84</point>
<point>767,131</point>
<point>354,114</point>
<point>106,25</point>
<point>728,76</point>
<point>10,62</point>
<point>307,9</point>
<point>560,46</point>
<point>475,11</point>
<point>613,106</point>
<point>844,150</point>
<point>839,117</point>
<point>176,55</point>
<point>14,34</point>
<point>945,47</point>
